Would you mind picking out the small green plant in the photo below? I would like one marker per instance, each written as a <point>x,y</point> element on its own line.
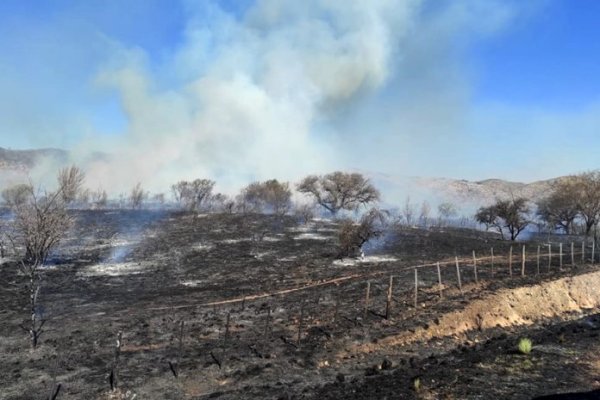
<point>525,346</point>
<point>417,384</point>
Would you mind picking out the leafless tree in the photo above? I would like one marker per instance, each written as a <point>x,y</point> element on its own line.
<point>446,211</point>
<point>179,191</point>
<point>424,213</point>
<point>159,199</point>
<point>220,202</point>
<point>408,211</point>
<point>249,200</point>
<point>305,212</point>
<point>99,198</point>
<point>84,197</point>
<point>192,195</point>
<point>353,235</point>
<point>17,195</point>
<point>39,223</point>
<point>269,196</point>
<point>137,196</point>
<point>277,196</point>
<point>339,190</point>
<point>70,180</point>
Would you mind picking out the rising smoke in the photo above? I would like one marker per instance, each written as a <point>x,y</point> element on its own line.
<point>275,92</point>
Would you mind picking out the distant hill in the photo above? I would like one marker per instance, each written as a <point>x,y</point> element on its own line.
<point>466,195</point>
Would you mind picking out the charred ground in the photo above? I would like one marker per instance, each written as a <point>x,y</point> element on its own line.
<point>142,272</point>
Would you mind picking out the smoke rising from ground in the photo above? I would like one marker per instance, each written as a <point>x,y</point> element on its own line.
<point>257,106</point>
<point>275,93</point>
<point>284,89</point>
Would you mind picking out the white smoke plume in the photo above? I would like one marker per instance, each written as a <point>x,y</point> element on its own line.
<point>252,95</point>
<point>286,89</point>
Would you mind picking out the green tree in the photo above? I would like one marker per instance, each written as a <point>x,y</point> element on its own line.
<point>511,215</point>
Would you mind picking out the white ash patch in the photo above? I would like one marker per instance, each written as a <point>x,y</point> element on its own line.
<point>348,262</point>
<point>114,269</point>
<point>194,216</point>
<point>345,262</point>
<point>304,228</point>
<point>376,259</point>
<point>232,241</point>
<point>191,283</point>
<point>288,259</point>
<point>327,230</point>
<point>310,236</point>
<point>318,219</point>
<point>271,239</point>
<point>202,247</point>
<point>108,244</point>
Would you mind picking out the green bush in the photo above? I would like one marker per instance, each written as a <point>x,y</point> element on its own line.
<point>525,346</point>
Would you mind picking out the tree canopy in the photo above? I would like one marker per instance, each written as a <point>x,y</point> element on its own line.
<point>339,190</point>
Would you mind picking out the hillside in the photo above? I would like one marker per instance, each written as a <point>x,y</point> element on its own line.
<point>395,188</point>
<point>465,194</point>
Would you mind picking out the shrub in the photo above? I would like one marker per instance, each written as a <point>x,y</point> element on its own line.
<point>353,235</point>
<point>525,346</point>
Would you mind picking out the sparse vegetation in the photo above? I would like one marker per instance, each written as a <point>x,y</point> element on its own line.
<point>70,182</point>
<point>193,195</point>
<point>137,196</point>
<point>446,211</point>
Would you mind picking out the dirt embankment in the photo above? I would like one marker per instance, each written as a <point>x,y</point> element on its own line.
<point>512,307</point>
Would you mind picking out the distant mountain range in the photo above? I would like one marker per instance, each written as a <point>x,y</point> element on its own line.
<point>466,195</point>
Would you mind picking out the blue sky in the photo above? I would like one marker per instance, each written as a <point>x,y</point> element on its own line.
<point>466,89</point>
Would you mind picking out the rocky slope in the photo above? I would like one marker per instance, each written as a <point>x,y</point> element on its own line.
<point>466,195</point>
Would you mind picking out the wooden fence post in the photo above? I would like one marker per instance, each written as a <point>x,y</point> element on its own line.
<point>337,305</point>
<point>549,256</point>
<point>593,251</point>
<point>538,260</point>
<point>416,288</point>
<point>475,267</point>
<point>510,256</point>
<point>523,261</point>
<point>367,294</point>
<point>572,254</point>
<point>388,303</point>
<point>227,322</point>
<point>492,251</point>
<point>300,324</point>
<point>440,279</point>
<point>267,323</point>
<point>560,256</point>
<point>113,378</point>
<point>583,252</point>
<point>458,274</point>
